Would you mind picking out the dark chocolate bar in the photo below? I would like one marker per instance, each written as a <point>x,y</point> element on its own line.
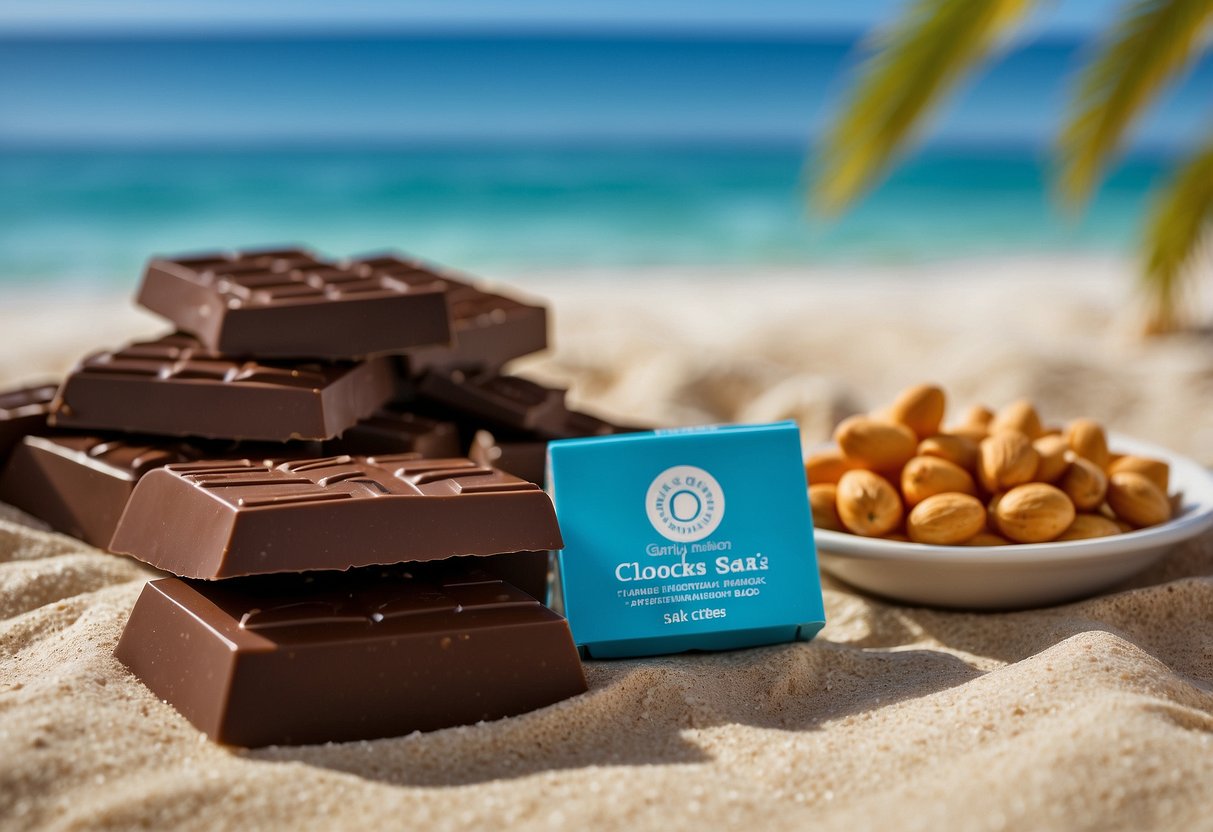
<point>511,404</point>
<point>291,659</point>
<point>396,431</point>
<point>488,329</point>
<point>524,458</point>
<point>218,520</point>
<point>173,386</point>
<point>291,304</point>
<point>23,411</point>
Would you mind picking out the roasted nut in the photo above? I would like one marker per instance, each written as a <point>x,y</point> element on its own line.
<point>1085,484</point>
<point>987,539</point>
<point>1087,439</point>
<point>1089,525</point>
<point>978,416</point>
<point>920,408</point>
<point>1155,470</point>
<point>946,519</point>
<point>875,445</point>
<point>1052,452</point>
<point>1034,513</point>
<point>823,500</point>
<point>1006,459</point>
<point>826,467</point>
<point>868,504</point>
<point>1137,500</point>
<point>957,449</point>
<point>1019,416</point>
<point>926,476</point>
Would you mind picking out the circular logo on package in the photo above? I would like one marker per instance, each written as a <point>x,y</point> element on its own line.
<point>685,503</point>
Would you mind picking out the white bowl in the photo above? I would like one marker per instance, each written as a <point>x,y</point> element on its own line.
<point>1020,576</point>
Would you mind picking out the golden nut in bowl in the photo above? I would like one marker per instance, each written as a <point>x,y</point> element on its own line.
<point>1086,526</point>
<point>1157,471</point>
<point>955,448</point>
<point>1018,416</point>
<point>826,467</point>
<point>926,476</point>
<point>946,519</point>
<point>1051,451</point>
<point>823,500</point>
<point>1085,484</point>
<point>985,538</point>
<point>1034,513</point>
<point>874,444</point>
<point>1137,500</point>
<point>1087,439</point>
<point>868,504</point>
<point>1006,459</point>
<point>920,408</point>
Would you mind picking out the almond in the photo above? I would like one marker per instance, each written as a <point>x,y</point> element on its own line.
<point>1006,459</point>
<point>1155,470</point>
<point>946,519</point>
<point>926,476</point>
<point>1090,525</point>
<point>920,408</point>
<point>1087,439</point>
<point>868,504</point>
<point>1034,513</point>
<point>1018,416</point>
<point>959,450</point>
<point>1137,500</point>
<point>1085,484</point>
<point>823,500</point>
<point>825,467</point>
<point>876,445</point>
<point>978,416</point>
<point>987,539</point>
<point>1052,452</point>
<point>898,536</point>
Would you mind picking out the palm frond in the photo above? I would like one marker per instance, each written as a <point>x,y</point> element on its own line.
<point>1179,226</point>
<point>1154,40</point>
<point>911,68</point>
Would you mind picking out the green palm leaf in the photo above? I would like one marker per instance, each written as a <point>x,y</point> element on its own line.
<point>1179,223</point>
<point>1154,40</point>
<point>912,67</point>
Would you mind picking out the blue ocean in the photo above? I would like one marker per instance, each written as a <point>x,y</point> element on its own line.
<point>541,150</point>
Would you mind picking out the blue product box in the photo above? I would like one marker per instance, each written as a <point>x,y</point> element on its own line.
<point>687,539</point>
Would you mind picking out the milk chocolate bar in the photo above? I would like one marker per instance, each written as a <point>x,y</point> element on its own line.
<point>488,328</point>
<point>291,304</point>
<point>243,518</point>
<point>175,386</point>
<point>23,411</point>
<point>310,658</point>
<point>393,430</point>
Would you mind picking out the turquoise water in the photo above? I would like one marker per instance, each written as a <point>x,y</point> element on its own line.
<point>544,150</point>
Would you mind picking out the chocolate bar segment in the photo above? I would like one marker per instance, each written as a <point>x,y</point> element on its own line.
<point>524,458</point>
<point>291,659</point>
<point>291,304</point>
<point>23,411</point>
<point>396,431</point>
<point>176,387</point>
<point>488,328</point>
<point>241,518</point>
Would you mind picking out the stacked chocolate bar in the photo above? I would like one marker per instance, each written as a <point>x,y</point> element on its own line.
<point>295,453</point>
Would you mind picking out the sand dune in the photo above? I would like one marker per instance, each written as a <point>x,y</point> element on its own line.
<point>1096,715</point>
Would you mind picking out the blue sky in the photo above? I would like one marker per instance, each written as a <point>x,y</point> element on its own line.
<point>1075,16</point>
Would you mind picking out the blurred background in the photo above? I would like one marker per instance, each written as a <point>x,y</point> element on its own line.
<point>563,136</point>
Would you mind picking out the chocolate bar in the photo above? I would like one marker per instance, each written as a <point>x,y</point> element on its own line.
<point>488,329</point>
<point>396,431</point>
<point>243,518</point>
<point>511,404</point>
<point>291,304</point>
<point>524,458</point>
<point>174,386</point>
<point>292,659</point>
<point>23,411</point>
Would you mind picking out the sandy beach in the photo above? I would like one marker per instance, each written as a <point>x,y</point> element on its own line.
<point>1096,715</point>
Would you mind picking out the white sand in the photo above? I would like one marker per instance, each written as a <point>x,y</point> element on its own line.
<point>1096,715</point>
